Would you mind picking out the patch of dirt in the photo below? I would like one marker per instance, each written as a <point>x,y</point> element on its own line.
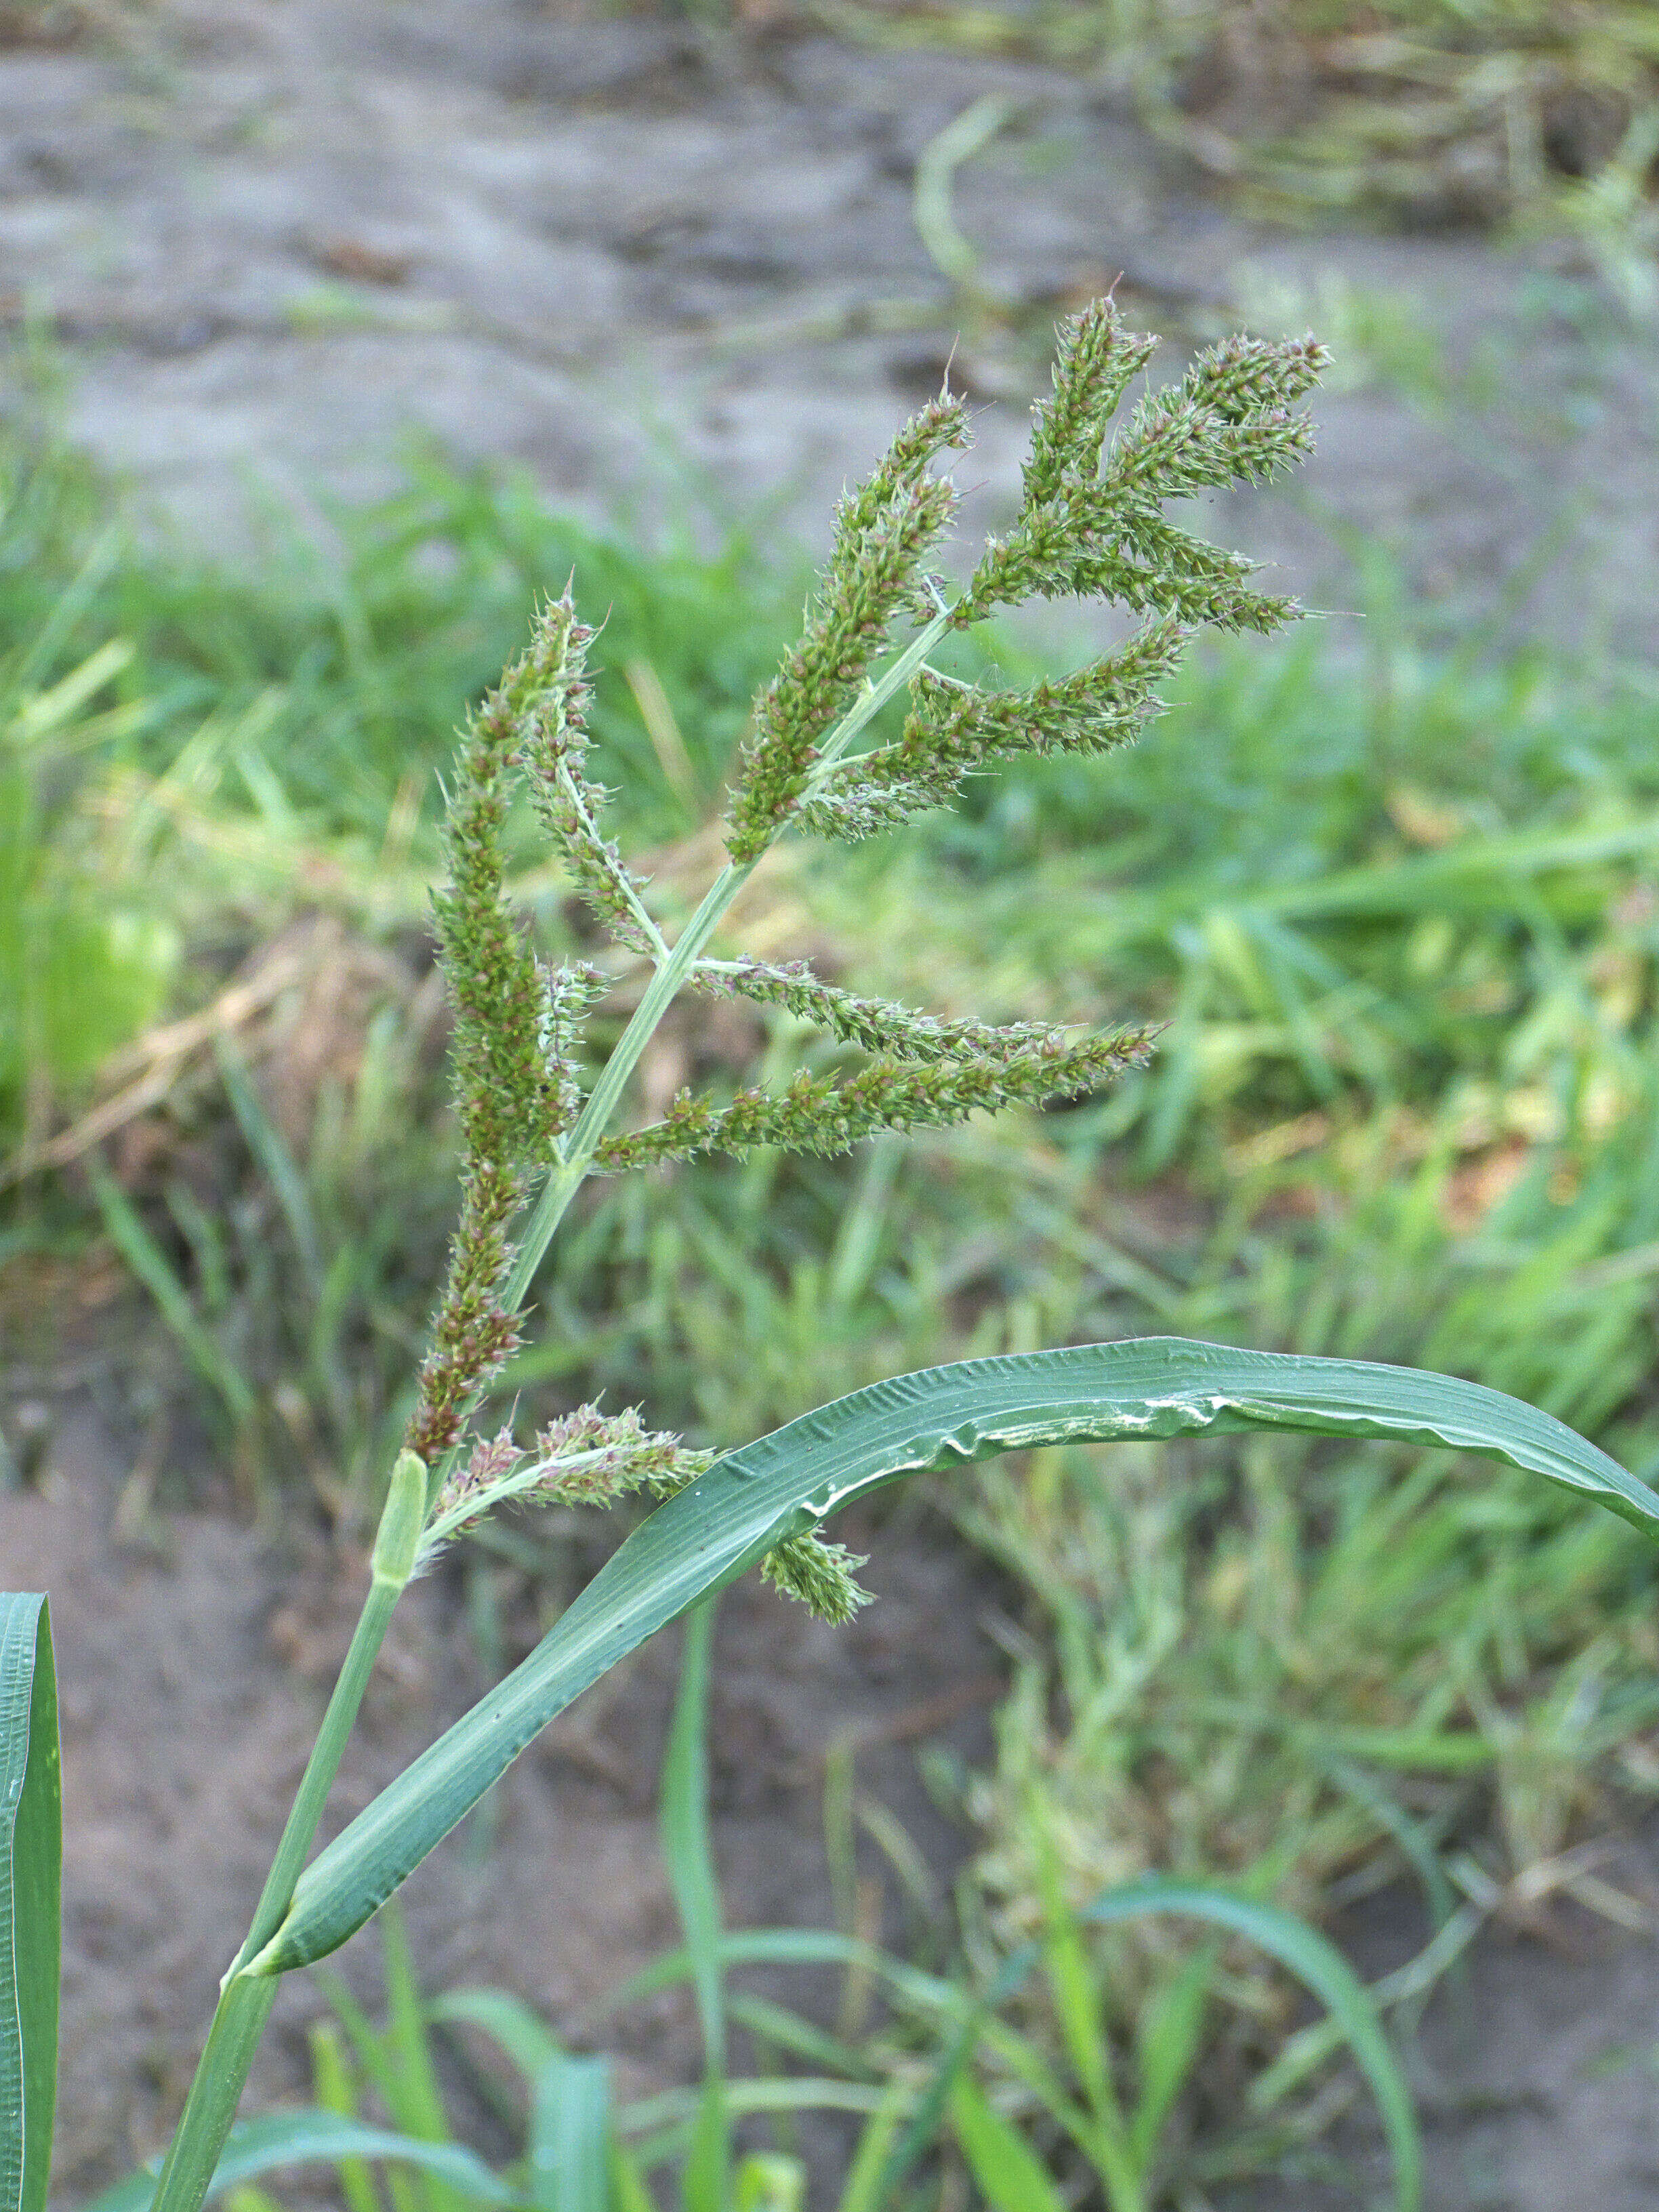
<point>1534,2071</point>
<point>192,1680</point>
<point>274,237</point>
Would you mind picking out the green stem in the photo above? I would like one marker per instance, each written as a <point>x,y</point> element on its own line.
<point>322,1766</point>
<point>244,2006</point>
<point>567,1177</point>
<point>245,1995</point>
<point>858,716</point>
<point>244,1999</point>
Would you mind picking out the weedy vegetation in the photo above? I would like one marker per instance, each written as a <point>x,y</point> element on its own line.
<point>1541,116</point>
<point>1407,1020</point>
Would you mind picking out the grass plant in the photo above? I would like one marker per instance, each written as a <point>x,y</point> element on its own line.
<point>912,2088</point>
<point>1314,1041</point>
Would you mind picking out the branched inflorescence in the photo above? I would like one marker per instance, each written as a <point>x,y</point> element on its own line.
<point>1091,524</point>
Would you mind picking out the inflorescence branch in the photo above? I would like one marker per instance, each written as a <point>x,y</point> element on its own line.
<point>1091,525</point>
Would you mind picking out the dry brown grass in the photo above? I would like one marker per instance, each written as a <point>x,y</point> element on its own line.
<point>1493,111</point>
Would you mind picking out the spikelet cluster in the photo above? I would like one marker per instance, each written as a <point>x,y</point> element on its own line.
<point>1091,524</point>
<point>585,1457</point>
<point>517,1025</point>
<point>883,532</point>
<point>827,1114</point>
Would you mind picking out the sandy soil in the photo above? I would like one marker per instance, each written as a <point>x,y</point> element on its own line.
<point>271,237</point>
<point>193,1664</point>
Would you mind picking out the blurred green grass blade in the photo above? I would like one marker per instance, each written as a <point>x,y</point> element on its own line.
<point>688,1856</point>
<point>787,2031</point>
<point>276,1161</point>
<point>1321,1969</point>
<point>1075,1996</point>
<point>1167,2038</point>
<point>928,2113</point>
<point>570,2142</point>
<point>791,1946</point>
<point>629,2192</point>
<point>373,2054</point>
<point>318,2138</point>
<point>747,2095</point>
<point>150,1263</point>
<point>1072,1986</point>
<point>770,2181</point>
<point>507,2019</point>
<point>416,2106</point>
<point>1149,1389</point>
<point>1007,2173</point>
<point>245,2198</point>
<point>1416,1846</point>
<point>49,639</point>
<point>336,2092</point>
<point>863,2176</point>
<point>31,1871</point>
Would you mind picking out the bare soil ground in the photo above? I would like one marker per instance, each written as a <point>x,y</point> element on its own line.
<point>193,1663</point>
<point>270,238</point>
<point>273,236</point>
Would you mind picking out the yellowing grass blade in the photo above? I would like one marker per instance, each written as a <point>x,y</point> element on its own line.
<point>31,1865</point>
<point>731,1516</point>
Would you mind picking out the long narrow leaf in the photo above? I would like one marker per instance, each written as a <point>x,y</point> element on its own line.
<point>318,2138</point>
<point>689,1856</point>
<point>31,1865</point>
<point>704,1537</point>
<point>1321,1968</point>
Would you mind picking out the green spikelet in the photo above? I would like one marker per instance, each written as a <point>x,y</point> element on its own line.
<point>820,1574</point>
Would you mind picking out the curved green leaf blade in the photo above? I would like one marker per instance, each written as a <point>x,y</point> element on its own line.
<point>525,2038</point>
<point>731,1516</point>
<point>314,2137</point>
<point>31,1871</point>
<point>1321,1967</point>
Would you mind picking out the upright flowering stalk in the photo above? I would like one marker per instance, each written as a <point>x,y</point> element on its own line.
<point>1091,525</point>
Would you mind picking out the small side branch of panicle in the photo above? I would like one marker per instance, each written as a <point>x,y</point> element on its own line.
<point>827,1113</point>
<point>585,1457</point>
<point>517,1028</point>
<point>955,729</point>
<point>883,534</point>
<point>553,748</point>
<point>877,1025</point>
<point>1095,362</point>
<point>820,1574</point>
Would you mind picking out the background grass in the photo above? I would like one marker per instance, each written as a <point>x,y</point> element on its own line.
<point>1539,116</point>
<point>1393,905</point>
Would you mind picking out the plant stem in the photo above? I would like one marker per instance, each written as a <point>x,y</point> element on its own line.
<point>244,2006</point>
<point>246,1996</point>
<point>246,1999</point>
<point>565,1179</point>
